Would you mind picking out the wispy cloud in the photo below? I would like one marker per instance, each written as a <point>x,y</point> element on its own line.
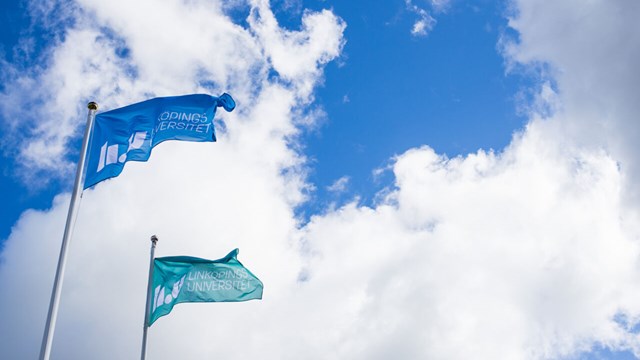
<point>339,185</point>
<point>425,22</point>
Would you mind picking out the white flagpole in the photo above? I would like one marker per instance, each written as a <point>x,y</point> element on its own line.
<point>154,240</point>
<point>45,351</point>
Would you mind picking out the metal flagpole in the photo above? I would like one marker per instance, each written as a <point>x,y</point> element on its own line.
<point>154,240</point>
<point>45,351</point>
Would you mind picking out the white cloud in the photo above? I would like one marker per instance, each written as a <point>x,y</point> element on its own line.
<point>421,26</point>
<point>201,199</point>
<point>528,253</point>
<point>38,137</point>
<point>440,5</point>
<point>592,52</point>
<point>523,255</point>
<point>425,22</point>
<point>298,56</point>
<point>531,253</point>
<point>339,185</point>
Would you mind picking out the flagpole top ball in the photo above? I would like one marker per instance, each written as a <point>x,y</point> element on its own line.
<point>92,106</point>
<point>154,239</point>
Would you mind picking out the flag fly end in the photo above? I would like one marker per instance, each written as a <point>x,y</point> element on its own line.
<point>227,102</point>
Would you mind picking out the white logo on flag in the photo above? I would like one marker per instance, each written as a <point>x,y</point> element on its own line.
<point>160,299</point>
<point>109,153</point>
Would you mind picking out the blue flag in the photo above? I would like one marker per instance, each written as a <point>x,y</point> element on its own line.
<point>129,133</point>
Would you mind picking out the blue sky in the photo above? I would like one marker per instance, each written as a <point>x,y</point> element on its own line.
<point>389,92</point>
<point>489,159</point>
<point>448,89</point>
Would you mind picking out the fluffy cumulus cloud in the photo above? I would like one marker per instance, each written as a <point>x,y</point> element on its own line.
<point>591,52</point>
<point>203,200</point>
<point>526,253</point>
<point>529,253</point>
<point>521,255</point>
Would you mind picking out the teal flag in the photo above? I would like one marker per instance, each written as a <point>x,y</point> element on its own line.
<point>179,279</point>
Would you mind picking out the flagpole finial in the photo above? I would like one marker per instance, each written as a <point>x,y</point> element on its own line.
<point>92,105</point>
<point>154,239</point>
